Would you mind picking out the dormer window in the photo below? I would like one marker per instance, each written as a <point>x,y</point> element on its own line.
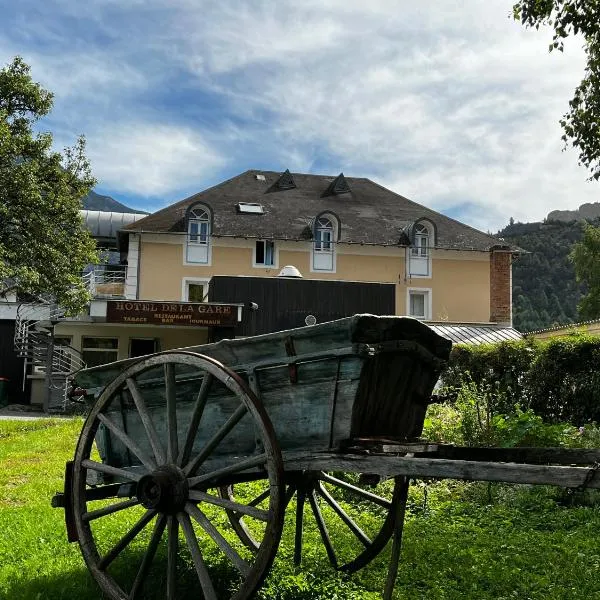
<point>323,235</point>
<point>422,240</point>
<point>324,238</point>
<point>198,235</point>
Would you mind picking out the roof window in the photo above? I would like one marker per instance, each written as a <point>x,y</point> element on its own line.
<point>252,208</point>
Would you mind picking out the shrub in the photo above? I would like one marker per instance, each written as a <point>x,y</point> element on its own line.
<point>558,379</point>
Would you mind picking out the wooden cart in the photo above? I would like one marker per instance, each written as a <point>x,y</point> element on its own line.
<point>221,438</point>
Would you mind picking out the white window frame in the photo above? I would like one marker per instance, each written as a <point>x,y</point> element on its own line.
<point>198,217</point>
<point>420,251</point>
<point>427,304</point>
<point>317,249</point>
<point>204,281</point>
<point>258,265</point>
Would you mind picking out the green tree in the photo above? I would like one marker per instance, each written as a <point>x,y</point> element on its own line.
<point>586,258</point>
<point>581,124</point>
<point>43,244</point>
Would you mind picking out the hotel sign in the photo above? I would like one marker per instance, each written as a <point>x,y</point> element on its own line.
<point>201,314</point>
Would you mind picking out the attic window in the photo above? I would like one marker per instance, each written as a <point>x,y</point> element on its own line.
<point>338,186</point>
<point>250,208</point>
<point>286,181</point>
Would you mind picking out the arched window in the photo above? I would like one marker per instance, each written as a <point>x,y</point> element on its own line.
<point>324,234</point>
<point>324,244</point>
<point>421,243</point>
<point>198,238</point>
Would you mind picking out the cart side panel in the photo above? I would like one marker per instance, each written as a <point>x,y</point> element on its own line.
<point>315,411</point>
<point>393,395</point>
<point>302,412</point>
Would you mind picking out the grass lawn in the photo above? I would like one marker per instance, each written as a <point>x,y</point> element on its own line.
<point>521,543</point>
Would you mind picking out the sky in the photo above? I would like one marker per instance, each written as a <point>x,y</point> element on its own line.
<point>449,103</point>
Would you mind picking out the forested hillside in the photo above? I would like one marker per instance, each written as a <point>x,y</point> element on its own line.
<point>544,288</point>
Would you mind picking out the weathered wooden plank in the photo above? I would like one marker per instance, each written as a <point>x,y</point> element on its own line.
<point>565,456</point>
<point>531,455</point>
<point>439,468</point>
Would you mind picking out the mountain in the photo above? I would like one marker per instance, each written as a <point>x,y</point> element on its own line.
<point>588,211</point>
<point>545,292</point>
<point>94,201</point>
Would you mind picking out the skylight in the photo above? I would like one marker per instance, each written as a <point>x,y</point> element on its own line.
<point>250,207</point>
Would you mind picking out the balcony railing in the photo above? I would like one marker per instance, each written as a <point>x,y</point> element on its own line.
<point>106,281</point>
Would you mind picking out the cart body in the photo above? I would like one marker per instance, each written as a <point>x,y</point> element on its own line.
<point>362,376</point>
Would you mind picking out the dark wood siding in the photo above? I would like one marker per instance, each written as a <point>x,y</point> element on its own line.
<point>11,366</point>
<point>284,303</point>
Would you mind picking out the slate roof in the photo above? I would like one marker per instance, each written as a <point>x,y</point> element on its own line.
<point>369,213</point>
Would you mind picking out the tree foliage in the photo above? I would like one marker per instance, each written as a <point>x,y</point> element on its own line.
<point>545,290</point>
<point>586,258</point>
<point>581,124</point>
<point>557,379</point>
<point>43,245</point>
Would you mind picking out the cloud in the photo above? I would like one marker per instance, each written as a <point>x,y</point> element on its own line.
<point>151,160</point>
<point>451,104</point>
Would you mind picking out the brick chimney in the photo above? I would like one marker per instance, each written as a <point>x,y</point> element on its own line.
<point>501,286</point>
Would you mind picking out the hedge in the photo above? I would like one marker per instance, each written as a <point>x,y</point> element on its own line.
<point>559,379</point>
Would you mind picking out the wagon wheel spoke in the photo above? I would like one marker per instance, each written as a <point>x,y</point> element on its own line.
<point>199,564</point>
<point>108,510</point>
<point>300,498</point>
<point>216,439</point>
<point>260,498</point>
<point>107,559</point>
<point>354,524</point>
<point>352,488</point>
<point>354,528</point>
<point>127,441</point>
<point>170,393</point>
<point>240,564</point>
<point>110,470</point>
<point>314,504</point>
<point>242,465</point>
<point>147,421</point>
<point>172,547</point>
<point>241,509</point>
<point>199,405</point>
<point>159,527</point>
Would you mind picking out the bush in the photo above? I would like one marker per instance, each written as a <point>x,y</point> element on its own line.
<point>558,379</point>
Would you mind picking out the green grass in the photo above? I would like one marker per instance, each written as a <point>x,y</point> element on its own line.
<point>467,541</point>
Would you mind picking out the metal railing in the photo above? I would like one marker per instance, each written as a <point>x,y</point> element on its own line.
<point>106,281</point>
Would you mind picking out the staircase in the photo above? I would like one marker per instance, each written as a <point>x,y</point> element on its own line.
<point>34,342</point>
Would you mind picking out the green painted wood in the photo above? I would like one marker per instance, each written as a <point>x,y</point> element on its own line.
<point>322,404</point>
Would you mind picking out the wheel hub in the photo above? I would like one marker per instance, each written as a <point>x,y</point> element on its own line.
<point>165,489</point>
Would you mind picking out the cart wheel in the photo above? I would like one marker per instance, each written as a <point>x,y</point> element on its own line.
<point>167,430</point>
<point>354,515</point>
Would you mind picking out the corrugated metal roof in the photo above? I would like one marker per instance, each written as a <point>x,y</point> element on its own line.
<point>475,333</point>
<point>102,224</point>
